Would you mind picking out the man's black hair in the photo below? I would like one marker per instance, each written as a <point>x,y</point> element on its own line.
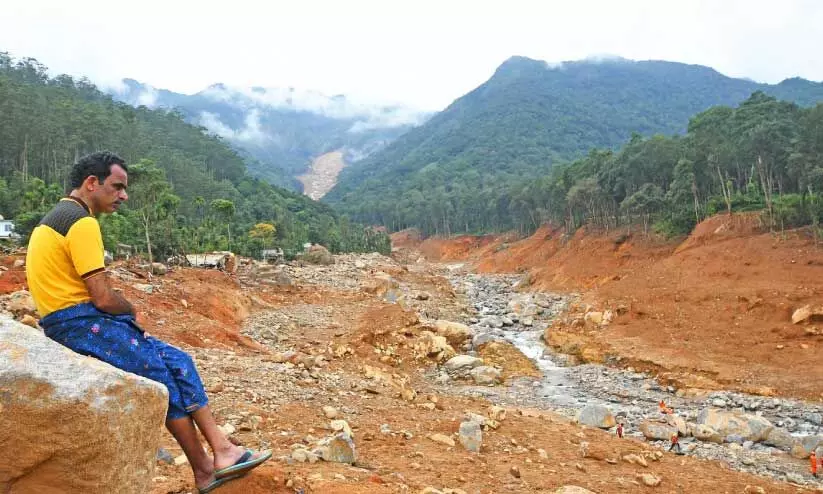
<point>97,164</point>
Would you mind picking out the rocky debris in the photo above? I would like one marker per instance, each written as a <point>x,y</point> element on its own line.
<point>143,287</point>
<point>330,412</point>
<point>432,346</point>
<point>596,416</point>
<point>112,438</point>
<point>158,268</point>
<point>657,431</point>
<point>302,455</point>
<point>572,489</point>
<point>19,263</point>
<point>455,332</point>
<point>29,320</point>
<point>485,375</point>
<point>461,365</point>
<point>649,479</point>
<point>497,413</point>
<point>635,459</point>
<point>806,313</point>
<point>383,286</point>
<point>471,435</point>
<point>442,439</point>
<point>19,303</point>
<point>338,448</point>
<point>515,471</point>
<point>164,456</point>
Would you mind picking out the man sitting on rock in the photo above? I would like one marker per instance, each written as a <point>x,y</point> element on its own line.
<point>80,310</point>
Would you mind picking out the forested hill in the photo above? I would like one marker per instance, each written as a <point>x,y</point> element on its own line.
<point>280,130</point>
<point>190,188</point>
<point>527,117</point>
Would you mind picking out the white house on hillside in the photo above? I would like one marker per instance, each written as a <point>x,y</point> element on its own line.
<point>7,229</point>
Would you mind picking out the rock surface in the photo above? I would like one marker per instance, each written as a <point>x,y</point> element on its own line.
<point>596,416</point>
<point>110,442</point>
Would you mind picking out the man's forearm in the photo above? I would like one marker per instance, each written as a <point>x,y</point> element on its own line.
<point>115,303</point>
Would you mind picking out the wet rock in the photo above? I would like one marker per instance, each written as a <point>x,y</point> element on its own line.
<point>471,436</point>
<point>596,416</point>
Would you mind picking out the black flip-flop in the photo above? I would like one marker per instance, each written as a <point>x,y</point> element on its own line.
<point>244,464</point>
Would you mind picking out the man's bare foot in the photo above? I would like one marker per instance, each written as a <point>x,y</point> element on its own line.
<point>227,457</point>
<point>203,478</point>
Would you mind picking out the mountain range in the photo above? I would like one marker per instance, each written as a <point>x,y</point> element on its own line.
<point>531,114</point>
<point>281,130</point>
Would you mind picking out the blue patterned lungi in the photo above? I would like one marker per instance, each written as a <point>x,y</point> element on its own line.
<point>119,341</point>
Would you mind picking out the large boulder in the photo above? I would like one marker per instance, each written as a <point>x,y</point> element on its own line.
<point>486,375</point>
<point>432,346</point>
<point>780,438</point>
<point>749,427</point>
<point>318,254</point>
<point>706,433</point>
<point>596,416</point>
<point>461,365</point>
<point>70,423</point>
<point>657,430</point>
<point>455,332</point>
<point>803,447</point>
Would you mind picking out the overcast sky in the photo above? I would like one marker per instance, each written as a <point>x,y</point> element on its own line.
<point>424,53</point>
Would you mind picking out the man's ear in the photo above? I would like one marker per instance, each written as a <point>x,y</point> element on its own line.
<point>91,183</point>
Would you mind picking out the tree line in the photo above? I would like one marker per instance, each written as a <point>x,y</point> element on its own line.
<point>189,191</point>
<point>764,154</point>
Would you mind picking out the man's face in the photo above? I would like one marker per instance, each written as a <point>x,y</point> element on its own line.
<point>109,194</point>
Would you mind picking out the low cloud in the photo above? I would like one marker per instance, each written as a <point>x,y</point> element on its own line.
<point>148,97</point>
<point>251,132</point>
<point>367,115</point>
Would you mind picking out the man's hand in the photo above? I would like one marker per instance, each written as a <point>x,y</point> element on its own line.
<point>106,298</point>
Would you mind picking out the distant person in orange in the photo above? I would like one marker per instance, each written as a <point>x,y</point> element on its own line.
<point>813,464</point>
<point>620,430</point>
<point>664,409</point>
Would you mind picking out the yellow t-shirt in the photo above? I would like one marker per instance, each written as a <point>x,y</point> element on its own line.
<point>65,249</point>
